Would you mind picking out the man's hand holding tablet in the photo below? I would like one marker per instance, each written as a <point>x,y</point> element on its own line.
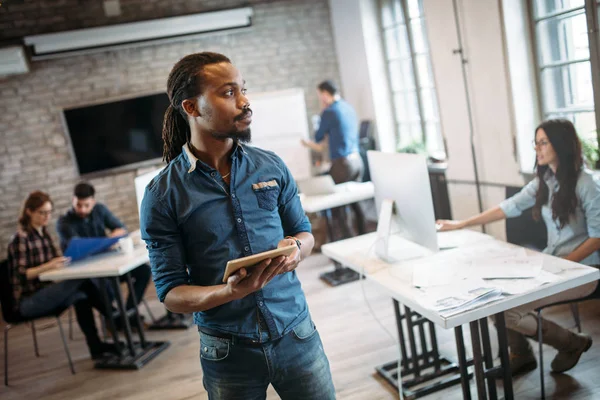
<point>249,274</point>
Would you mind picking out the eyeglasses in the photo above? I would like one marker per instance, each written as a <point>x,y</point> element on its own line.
<point>44,213</point>
<point>541,143</point>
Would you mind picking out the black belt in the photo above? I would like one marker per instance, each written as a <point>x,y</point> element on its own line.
<point>228,336</point>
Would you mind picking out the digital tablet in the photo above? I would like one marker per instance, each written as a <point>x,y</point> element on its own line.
<point>234,265</point>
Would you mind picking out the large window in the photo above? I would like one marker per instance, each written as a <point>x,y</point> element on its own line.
<point>410,75</point>
<point>566,58</point>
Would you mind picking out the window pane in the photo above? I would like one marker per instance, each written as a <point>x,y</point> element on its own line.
<point>545,7</point>
<point>417,27</point>
<point>391,12</point>
<point>415,8</point>
<point>412,106</point>
<point>563,39</point>
<point>424,71</point>
<point>568,86</point>
<point>396,42</point>
<point>400,107</point>
<point>433,138</point>
<point>401,75</point>
<point>408,135</point>
<point>387,13</point>
<point>429,105</point>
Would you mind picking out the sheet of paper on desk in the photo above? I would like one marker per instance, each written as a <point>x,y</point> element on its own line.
<point>487,252</point>
<point>453,299</point>
<point>507,267</point>
<point>518,286</point>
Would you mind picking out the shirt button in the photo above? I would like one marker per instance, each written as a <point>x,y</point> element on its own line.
<point>205,349</point>
<point>213,174</point>
<point>246,248</point>
<point>233,196</point>
<point>260,303</point>
<point>239,220</point>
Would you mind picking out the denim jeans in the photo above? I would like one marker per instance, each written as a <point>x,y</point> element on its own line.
<point>296,366</point>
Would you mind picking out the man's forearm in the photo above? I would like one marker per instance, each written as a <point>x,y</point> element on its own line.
<point>187,298</point>
<point>308,242</point>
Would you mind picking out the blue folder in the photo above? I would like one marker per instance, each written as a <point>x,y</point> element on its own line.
<point>80,248</point>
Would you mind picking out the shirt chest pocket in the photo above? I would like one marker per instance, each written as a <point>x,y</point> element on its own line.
<point>267,194</point>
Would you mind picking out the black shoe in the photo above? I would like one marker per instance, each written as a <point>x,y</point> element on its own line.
<point>103,348</point>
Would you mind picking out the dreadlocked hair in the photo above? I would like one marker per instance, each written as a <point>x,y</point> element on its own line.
<point>563,137</point>
<point>185,81</point>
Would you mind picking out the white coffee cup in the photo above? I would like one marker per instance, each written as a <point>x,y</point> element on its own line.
<point>126,245</point>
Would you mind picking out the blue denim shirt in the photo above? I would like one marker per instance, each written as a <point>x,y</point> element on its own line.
<point>584,224</point>
<point>193,223</point>
<point>340,122</point>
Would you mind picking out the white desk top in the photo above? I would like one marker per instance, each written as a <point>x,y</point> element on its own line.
<point>100,266</point>
<point>357,253</point>
<point>347,193</point>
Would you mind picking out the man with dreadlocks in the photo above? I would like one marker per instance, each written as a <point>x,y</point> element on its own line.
<point>218,200</point>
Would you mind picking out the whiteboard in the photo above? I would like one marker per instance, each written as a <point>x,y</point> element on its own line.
<point>279,122</point>
<point>140,182</point>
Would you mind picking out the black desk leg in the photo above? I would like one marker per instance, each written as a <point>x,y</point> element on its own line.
<point>109,313</point>
<point>478,360</point>
<point>329,223</point>
<point>462,362</point>
<point>488,357</point>
<point>424,370</point>
<point>399,318</point>
<point>504,359</point>
<point>138,321</point>
<point>411,340</point>
<point>124,316</point>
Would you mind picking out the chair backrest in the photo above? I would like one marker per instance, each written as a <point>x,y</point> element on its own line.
<point>7,300</point>
<point>524,230</point>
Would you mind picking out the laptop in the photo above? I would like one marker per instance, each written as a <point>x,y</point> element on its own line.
<point>318,185</point>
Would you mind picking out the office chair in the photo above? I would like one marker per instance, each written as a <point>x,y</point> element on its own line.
<point>12,318</point>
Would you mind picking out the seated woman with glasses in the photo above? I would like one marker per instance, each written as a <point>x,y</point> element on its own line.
<point>567,198</point>
<point>31,252</point>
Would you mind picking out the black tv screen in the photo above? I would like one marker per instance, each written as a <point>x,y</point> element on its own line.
<point>117,134</point>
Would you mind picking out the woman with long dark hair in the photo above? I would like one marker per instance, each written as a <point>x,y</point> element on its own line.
<point>32,252</point>
<point>567,198</point>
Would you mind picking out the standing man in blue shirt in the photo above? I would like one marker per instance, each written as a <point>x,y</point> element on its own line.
<point>338,130</point>
<point>219,200</point>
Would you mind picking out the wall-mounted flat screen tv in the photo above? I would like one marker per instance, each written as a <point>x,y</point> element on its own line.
<point>117,135</point>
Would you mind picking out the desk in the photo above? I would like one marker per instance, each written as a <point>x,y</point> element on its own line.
<point>108,268</point>
<point>357,254</point>
<point>347,193</point>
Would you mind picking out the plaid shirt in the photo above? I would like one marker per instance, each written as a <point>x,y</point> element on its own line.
<point>28,249</point>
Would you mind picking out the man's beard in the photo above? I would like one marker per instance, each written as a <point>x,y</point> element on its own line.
<point>244,136</point>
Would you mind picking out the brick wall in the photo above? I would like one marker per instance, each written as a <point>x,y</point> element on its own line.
<point>289,45</point>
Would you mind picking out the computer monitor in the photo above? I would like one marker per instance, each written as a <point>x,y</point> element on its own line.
<point>404,179</point>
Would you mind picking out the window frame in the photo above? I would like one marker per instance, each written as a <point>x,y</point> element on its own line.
<point>412,56</point>
<point>590,10</point>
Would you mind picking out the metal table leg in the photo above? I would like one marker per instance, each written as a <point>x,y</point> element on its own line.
<point>504,359</point>
<point>478,360</point>
<point>462,362</point>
